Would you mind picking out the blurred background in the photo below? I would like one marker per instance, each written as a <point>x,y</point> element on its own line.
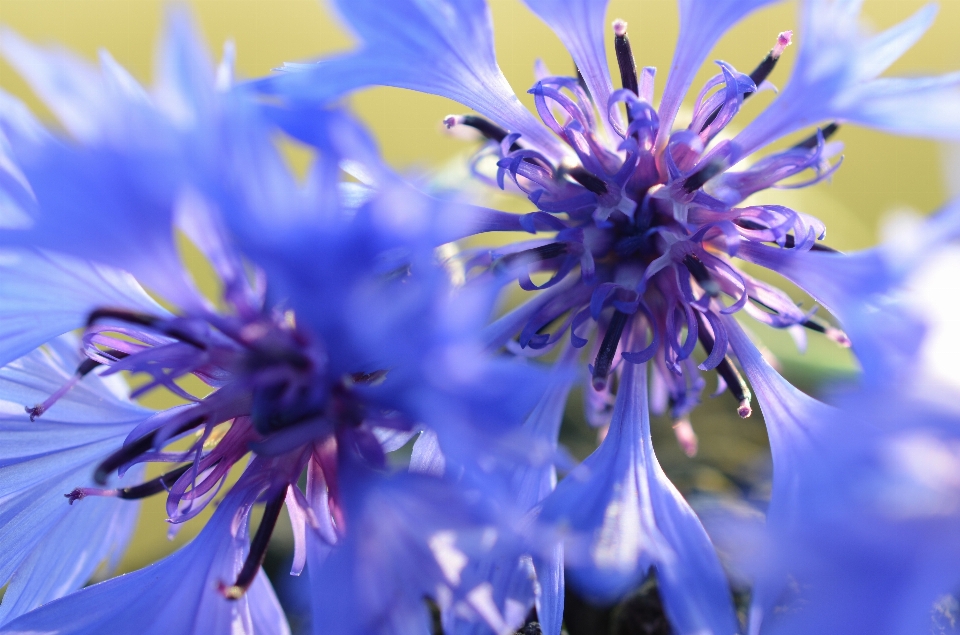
<point>880,175</point>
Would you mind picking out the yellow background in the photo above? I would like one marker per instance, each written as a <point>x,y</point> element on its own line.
<point>880,173</point>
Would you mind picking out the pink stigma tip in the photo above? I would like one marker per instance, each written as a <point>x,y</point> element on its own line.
<point>599,383</point>
<point>783,41</point>
<point>619,27</point>
<point>839,337</point>
<point>686,437</point>
<point>450,121</point>
<point>744,410</point>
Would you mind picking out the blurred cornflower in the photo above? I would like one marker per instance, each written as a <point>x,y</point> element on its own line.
<point>335,338</point>
<point>638,227</point>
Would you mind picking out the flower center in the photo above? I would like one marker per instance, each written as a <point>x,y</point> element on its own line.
<point>653,230</point>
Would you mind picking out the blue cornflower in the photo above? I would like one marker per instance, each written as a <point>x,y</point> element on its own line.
<point>637,227</point>
<point>335,339</point>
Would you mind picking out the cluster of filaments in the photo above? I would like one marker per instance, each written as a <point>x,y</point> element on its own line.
<point>650,230</point>
<point>271,394</point>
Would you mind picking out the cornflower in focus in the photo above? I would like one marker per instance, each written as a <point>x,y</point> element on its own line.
<point>336,339</point>
<point>638,227</point>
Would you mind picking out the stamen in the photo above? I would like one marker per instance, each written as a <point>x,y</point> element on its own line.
<point>700,273</point>
<point>763,70</point>
<point>131,451</point>
<point>543,252</point>
<point>611,339</point>
<point>143,319</point>
<point>149,488</point>
<point>831,332</point>
<point>625,59</point>
<point>588,180</point>
<point>485,127</point>
<point>696,180</point>
<point>581,81</point>
<point>84,369</point>
<point>258,549</point>
<point>811,142</point>
<point>731,376</point>
<point>789,242</point>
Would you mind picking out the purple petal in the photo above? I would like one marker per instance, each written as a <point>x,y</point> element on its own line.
<point>624,515</point>
<point>178,594</point>
<point>580,25</point>
<point>43,295</point>
<point>702,23</point>
<point>442,48</point>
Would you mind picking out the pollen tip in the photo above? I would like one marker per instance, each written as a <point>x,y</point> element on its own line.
<point>744,410</point>
<point>839,337</point>
<point>231,591</point>
<point>686,437</point>
<point>619,27</point>
<point>75,495</point>
<point>452,120</point>
<point>599,383</point>
<point>35,411</point>
<point>783,41</point>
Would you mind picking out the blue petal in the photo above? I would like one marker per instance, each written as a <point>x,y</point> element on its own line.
<point>580,26</point>
<point>50,547</point>
<point>507,570</point>
<point>624,516</point>
<point>702,24</point>
<point>70,87</point>
<point>43,295</point>
<point>179,594</point>
<point>860,289</point>
<point>797,425</point>
<point>406,538</point>
<point>441,47</point>
<point>835,79</point>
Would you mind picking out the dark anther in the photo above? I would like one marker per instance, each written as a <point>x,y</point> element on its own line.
<point>588,180</point>
<point>760,73</point>
<point>581,81</point>
<point>87,365</point>
<point>735,383</point>
<point>132,450</point>
<point>625,60</point>
<point>143,319</point>
<point>811,142</point>
<point>789,242</point>
<point>537,254</point>
<point>696,180</point>
<point>608,347</point>
<point>485,127</point>
<point>124,315</point>
<point>368,378</point>
<point>258,548</point>
<point>700,273</point>
<point>155,486</point>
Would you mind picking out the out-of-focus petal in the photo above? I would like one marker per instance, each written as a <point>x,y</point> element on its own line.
<point>43,295</point>
<point>49,546</point>
<point>179,594</point>
<point>835,79</point>
<point>441,47</point>
<point>623,516</point>
<point>580,26</point>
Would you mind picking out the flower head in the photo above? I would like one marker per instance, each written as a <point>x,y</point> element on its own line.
<point>335,337</point>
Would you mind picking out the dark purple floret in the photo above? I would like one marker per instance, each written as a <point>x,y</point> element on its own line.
<point>653,229</point>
